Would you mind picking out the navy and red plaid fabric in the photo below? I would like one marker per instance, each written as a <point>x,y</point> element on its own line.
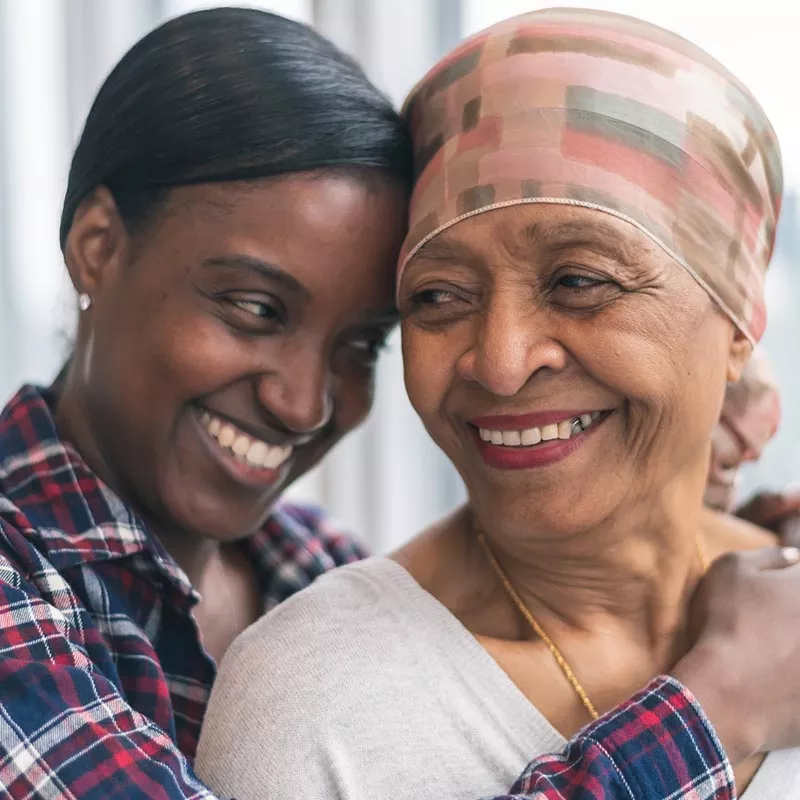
<point>102,671</point>
<point>658,745</point>
<point>104,680</point>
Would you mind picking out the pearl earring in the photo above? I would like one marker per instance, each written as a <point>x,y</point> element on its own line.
<point>84,302</point>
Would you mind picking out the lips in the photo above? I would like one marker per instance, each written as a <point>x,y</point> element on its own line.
<point>533,440</point>
<point>246,459</point>
<point>527,437</point>
<point>249,450</point>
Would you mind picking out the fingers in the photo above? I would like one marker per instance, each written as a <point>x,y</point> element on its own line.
<point>769,510</point>
<point>768,558</point>
<point>790,532</point>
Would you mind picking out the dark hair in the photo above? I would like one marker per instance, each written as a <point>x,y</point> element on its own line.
<point>229,94</point>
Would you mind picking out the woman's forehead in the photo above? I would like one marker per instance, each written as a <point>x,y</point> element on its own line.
<point>526,229</point>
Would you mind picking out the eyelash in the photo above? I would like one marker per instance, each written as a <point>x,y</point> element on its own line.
<point>425,298</point>
<point>372,347</point>
<point>592,282</point>
<point>248,305</point>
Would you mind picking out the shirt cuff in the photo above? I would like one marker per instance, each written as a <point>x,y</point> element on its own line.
<point>662,744</point>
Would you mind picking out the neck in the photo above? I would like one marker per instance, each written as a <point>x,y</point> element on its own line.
<point>192,554</point>
<point>197,557</point>
<point>630,576</point>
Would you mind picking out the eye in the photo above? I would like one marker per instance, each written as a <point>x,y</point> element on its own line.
<point>256,308</point>
<point>252,315</point>
<point>431,297</point>
<point>575,281</point>
<point>369,346</point>
<point>570,289</point>
<point>438,305</point>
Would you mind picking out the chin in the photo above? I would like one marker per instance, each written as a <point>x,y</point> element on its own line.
<point>536,512</point>
<point>221,517</point>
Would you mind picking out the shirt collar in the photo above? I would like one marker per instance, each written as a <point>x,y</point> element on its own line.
<point>74,517</point>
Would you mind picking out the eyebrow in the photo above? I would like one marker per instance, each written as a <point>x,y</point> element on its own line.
<point>595,235</point>
<point>264,268</point>
<point>385,317</point>
<point>441,248</point>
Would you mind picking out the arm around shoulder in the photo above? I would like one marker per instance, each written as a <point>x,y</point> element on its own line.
<point>65,730</point>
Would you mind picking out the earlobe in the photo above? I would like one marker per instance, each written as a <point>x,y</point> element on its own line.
<point>94,242</point>
<point>740,351</point>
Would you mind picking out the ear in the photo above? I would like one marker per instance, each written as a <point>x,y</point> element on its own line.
<point>96,243</point>
<point>739,354</point>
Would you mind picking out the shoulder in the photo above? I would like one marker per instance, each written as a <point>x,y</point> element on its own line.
<point>297,545</point>
<point>327,618</point>
<point>19,553</point>
<point>297,679</point>
<point>321,530</point>
<point>327,639</point>
<point>40,609</point>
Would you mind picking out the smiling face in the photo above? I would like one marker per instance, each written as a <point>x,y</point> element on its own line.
<point>566,365</point>
<point>231,344</point>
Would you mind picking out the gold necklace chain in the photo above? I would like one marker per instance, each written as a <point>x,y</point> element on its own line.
<point>540,631</point>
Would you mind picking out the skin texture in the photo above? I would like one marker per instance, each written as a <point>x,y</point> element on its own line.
<point>543,308</point>
<point>230,301</point>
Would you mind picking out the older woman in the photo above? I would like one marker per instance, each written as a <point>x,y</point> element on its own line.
<point>594,210</point>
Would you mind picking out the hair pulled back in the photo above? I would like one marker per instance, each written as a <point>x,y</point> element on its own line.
<point>229,94</point>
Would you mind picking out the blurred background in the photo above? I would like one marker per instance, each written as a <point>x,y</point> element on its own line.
<point>388,480</point>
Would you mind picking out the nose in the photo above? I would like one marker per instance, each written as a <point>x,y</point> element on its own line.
<point>300,393</point>
<point>512,342</point>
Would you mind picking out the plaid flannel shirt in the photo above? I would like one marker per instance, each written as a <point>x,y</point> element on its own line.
<point>104,680</point>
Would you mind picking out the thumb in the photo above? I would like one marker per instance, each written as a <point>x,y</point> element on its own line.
<point>790,532</point>
<point>768,558</point>
<point>764,509</point>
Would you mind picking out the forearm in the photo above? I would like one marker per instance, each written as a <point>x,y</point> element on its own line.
<point>657,745</point>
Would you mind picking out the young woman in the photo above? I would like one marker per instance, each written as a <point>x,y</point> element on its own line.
<point>235,171</point>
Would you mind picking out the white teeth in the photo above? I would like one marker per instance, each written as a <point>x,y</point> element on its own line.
<point>241,445</point>
<point>256,453</point>
<point>276,456</point>
<point>529,437</point>
<point>227,436</point>
<point>549,432</point>
<point>250,451</point>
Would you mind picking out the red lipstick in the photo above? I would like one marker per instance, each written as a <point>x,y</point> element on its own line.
<point>543,454</point>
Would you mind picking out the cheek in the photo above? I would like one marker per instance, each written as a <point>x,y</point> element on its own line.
<point>429,367</point>
<point>353,401</point>
<point>667,359</point>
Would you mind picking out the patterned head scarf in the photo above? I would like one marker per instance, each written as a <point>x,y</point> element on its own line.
<point>606,112</point>
<point>751,414</point>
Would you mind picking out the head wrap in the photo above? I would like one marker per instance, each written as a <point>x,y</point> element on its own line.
<point>751,414</point>
<point>605,112</point>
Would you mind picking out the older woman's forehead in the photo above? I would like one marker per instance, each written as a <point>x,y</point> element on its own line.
<point>526,228</point>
